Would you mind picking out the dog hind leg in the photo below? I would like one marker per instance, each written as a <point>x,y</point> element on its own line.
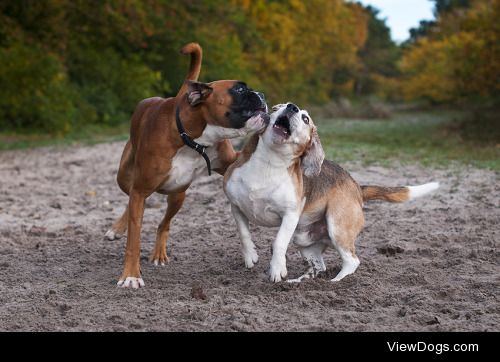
<point>119,228</point>
<point>124,180</point>
<point>350,263</point>
<point>159,255</point>
<point>343,229</point>
<point>313,254</point>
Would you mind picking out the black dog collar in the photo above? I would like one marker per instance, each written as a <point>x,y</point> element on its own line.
<point>188,141</point>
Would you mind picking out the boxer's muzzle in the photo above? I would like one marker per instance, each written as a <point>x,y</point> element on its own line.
<point>246,104</point>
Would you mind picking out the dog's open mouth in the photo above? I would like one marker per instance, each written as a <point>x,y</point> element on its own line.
<point>282,126</point>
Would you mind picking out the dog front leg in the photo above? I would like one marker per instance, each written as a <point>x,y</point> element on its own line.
<point>226,155</point>
<point>277,270</point>
<point>247,246</point>
<point>131,276</point>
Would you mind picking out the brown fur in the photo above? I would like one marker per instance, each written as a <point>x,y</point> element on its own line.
<point>331,176</point>
<point>344,208</point>
<point>313,155</point>
<point>226,156</point>
<point>154,141</point>
<point>120,226</point>
<point>333,210</point>
<point>175,202</point>
<point>195,65</point>
<point>391,194</point>
<point>334,193</point>
<point>297,178</point>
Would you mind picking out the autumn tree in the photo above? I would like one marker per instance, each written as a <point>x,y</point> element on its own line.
<point>64,63</point>
<point>300,46</point>
<point>379,56</point>
<point>458,60</point>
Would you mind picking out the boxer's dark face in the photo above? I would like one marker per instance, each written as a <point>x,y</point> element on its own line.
<point>227,103</point>
<point>245,103</point>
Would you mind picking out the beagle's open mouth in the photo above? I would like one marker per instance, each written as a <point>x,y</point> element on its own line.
<point>282,126</point>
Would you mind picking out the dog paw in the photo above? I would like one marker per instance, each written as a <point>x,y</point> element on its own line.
<point>311,273</point>
<point>161,261</point>
<point>159,258</point>
<point>277,272</point>
<point>111,235</point>
<point>251,258</point>
<point>257,122</point>
<point>131,282</point>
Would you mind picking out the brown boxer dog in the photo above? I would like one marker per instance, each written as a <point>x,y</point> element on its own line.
<point>168,137</point>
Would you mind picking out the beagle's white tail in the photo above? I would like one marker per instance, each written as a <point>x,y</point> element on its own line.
<point>421,190</point>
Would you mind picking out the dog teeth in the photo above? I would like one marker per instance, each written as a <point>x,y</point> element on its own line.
<point>282,128</point>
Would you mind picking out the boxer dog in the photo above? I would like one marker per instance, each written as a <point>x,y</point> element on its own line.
<point>280,179</point>
<point>173,140</point>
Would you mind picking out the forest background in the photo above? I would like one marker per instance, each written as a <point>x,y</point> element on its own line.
<point>71,68</point>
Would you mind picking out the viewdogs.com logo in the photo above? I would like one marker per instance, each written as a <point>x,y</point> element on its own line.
<point>437,348</point>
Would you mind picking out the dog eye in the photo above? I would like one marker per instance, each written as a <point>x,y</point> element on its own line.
<point>305,119</point>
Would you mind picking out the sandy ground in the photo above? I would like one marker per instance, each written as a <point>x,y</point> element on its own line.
<point>428,265</point>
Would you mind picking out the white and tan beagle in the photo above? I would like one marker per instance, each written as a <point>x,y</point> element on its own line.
<point>281,179</point>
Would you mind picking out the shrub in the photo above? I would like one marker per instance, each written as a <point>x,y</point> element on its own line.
<point>111,83</point>
<point>35,92</point>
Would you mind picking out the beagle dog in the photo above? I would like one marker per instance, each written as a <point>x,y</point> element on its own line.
<point>281,179</point>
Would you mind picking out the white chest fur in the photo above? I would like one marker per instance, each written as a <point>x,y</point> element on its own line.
<point>187,164</point>
<point>262,191</point>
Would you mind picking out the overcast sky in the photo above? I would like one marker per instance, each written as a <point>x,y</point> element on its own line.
<point>402,14</point>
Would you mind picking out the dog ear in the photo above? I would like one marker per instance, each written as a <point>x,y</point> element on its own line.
<point>197,92</point>
<point>277,106</point>
<point>313,157</point>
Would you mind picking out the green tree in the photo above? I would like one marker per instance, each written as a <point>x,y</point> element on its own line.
<point>92,61</point>
<point>379,55</point>
<point>459,61</point>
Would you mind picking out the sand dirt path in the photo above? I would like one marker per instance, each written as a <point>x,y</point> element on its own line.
<point>428,265</point>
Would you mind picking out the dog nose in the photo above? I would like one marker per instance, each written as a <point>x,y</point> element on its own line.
<point>292,107</point>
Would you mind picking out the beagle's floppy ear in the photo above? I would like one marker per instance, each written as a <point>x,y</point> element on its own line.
<point>197,92</point>
<point>313,157</point>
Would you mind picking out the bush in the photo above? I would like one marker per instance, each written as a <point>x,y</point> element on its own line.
<point>112,84</point>
<point>35,92</point>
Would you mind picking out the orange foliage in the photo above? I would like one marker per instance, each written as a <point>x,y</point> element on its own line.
<point>461,58</point>
<point>302,44</point>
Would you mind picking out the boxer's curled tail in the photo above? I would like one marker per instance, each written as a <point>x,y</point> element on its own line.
<point>195,66</point>
<point>397,194</point>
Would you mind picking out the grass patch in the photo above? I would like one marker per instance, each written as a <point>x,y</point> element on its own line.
<point>90,134</point>
<point>428,138</point>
